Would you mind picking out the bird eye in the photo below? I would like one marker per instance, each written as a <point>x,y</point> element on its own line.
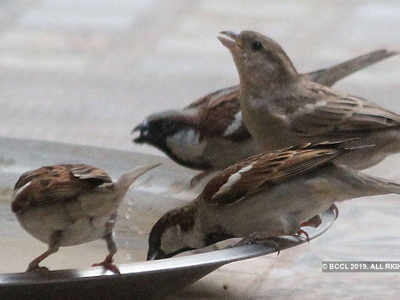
<point>256,45</point>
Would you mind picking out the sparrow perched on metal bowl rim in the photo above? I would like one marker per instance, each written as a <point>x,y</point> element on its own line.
<point>71,204</point>
<point>281,107</point>
<point>264,196</point>
<point>209,134</point>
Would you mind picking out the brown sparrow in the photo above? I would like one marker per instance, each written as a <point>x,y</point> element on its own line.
<point>281,107</point>
<point>71,204</point>
<point>209,134</point>
<point>264,196</point>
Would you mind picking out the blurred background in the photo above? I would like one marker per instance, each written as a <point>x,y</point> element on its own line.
<point>86,72</point>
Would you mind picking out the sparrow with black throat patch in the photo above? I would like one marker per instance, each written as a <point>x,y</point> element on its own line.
<point>280,107</point>
<point>209,134</point>
<point>264,196</point>
<point>71,204</point>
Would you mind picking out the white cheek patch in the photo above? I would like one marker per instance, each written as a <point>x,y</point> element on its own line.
<point>232,180</point>
<point>235,125</point>
<point>186,144</point>
<point>19,190</point>
<point>193,239</point>
<point>185,137</point>
<point>174,239</point>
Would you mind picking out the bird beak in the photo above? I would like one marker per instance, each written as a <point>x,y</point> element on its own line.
<point>230,40</point>
<point>143,129</point>
<point>155,254</point>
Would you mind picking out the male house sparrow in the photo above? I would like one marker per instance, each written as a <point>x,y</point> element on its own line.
<point>266,195</point>
<point>71,204</point>
<point>280,107</point>
<point>209,134</point>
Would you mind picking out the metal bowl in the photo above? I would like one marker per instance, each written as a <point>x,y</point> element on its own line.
<point>155,193</point>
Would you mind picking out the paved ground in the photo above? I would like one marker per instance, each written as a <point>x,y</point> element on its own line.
<point>87,71</point>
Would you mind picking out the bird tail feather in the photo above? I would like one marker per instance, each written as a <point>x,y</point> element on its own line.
<point>330,76</point>
<point>128,178</point>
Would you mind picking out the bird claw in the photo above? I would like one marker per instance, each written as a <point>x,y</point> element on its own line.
<point>108,265</point>
<point>301,232</point>
<point>335,210</point>
<point>274,245</point>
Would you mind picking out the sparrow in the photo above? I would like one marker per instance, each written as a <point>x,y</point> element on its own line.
<point>209,134</point>
<point>71,204</point>
<point>281,107</point>
<point>264,196</point>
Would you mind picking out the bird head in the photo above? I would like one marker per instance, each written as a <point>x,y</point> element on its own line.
<point>174,233</point>
<point>259,59</point>
<point>157,127</point>
<point>176,134</point>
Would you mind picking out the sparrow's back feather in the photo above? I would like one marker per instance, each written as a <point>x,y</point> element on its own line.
<point>46,185</point>
<point>247,177</point>
<point>321,111</point>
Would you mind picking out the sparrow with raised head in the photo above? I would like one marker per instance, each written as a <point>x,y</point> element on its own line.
<point>281,107</point>
<point>71,204</point>
<point>209,134</point>
<point>266,195</point>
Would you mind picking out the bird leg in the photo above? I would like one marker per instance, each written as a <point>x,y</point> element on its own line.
<point>54,245</point>
<point>313,222</point>
<point>107,263</point>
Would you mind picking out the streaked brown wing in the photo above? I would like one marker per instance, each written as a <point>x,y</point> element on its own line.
<point>49,184</point>
<point>333,115</point>
<point>90,174</point>
<point>222,110</point>
<point>248,177</point>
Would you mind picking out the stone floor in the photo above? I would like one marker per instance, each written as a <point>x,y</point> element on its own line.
<point>87,71</point>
